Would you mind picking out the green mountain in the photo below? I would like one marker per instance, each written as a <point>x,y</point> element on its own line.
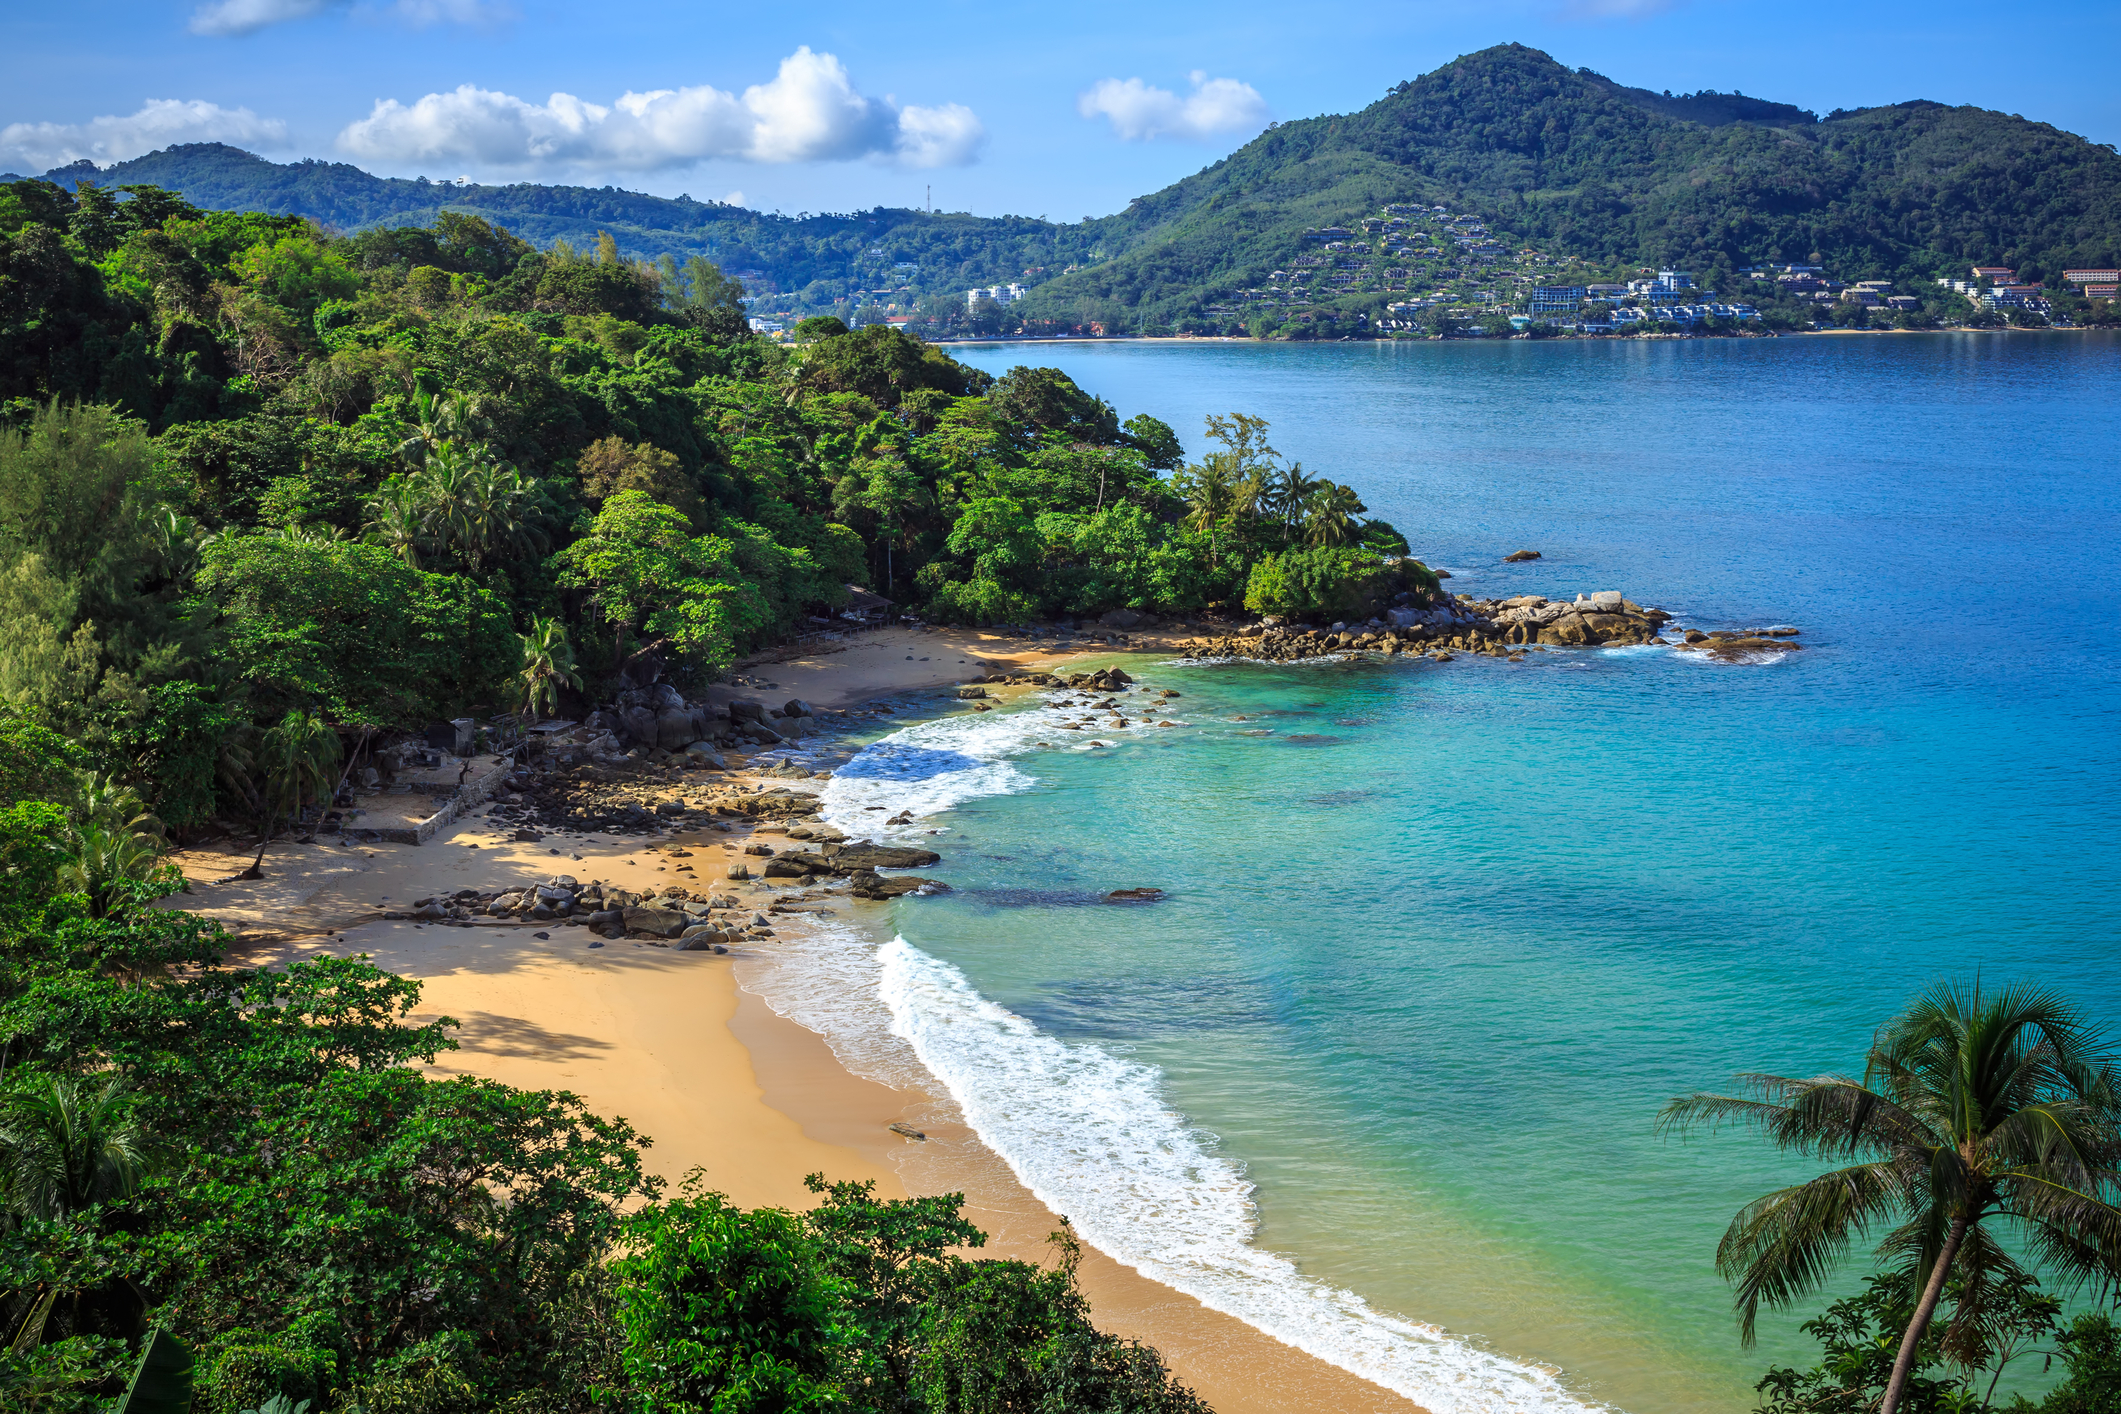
<point>1571,161</point>
<point>1565,159</point>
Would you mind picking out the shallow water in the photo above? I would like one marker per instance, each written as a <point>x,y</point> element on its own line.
<point>1440,941</point>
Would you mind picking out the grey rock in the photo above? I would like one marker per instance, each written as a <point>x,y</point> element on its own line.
<point>638,724</point>
<point>661,922</point>
<point>1120,618</point>
<point>704,753</point>
<point>743,709</point>
<point>797,707</point>
<point>675,728</point>
<point>1607,601</point>
<point>971,694</point>
<point>430,912</point>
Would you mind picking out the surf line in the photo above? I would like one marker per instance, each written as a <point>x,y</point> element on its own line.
<point>1090,1134</point>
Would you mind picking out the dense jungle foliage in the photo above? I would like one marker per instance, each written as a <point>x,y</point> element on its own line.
<point>1565,159</point>
<point>250,469</point>
<point>247,1161</point>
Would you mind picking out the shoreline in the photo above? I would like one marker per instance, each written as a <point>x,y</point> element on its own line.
<point>676,1043</point>
<point>1502,339</point>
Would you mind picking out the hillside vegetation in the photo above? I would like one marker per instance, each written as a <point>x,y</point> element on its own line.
<point>1575,162</point>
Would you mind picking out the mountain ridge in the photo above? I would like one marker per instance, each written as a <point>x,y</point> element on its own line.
<point>1568,158</point>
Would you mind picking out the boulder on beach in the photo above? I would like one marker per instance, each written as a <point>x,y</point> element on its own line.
<point>657,922</point>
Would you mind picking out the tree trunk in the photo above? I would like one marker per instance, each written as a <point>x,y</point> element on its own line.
<point>1896,1387</point>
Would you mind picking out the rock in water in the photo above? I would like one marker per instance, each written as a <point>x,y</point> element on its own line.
<point>1520,556</point>
<point>1135,895</point>
<point>875,856</point>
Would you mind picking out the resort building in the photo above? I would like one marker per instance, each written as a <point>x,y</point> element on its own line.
<point>1995,274</point>
<point>993,294</point>
<point>2092,277</point>
<point>1555,299</point>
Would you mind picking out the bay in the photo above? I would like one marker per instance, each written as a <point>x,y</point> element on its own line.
<point>1440,938</point>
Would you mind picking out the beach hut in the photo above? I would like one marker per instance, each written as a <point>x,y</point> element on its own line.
<point>866,608</point>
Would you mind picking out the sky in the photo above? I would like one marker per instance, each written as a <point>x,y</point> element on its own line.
<point>1035,111</point>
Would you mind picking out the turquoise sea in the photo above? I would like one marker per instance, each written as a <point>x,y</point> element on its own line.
<point>1380,1073</point>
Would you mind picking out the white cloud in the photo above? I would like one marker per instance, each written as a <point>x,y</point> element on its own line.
<point>159,123</point>
<point>235,17</point>
<point>1139,112</point>
<point>810,112</point>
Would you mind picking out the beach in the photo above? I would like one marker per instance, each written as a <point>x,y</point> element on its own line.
<point>672,1042</point>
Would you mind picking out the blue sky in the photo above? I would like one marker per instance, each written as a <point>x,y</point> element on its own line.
<point>826,106</point>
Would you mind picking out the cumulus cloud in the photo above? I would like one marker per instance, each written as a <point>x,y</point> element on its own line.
<point>810,112</point>
<point>1139,112</point>
<point>234,17</point>
<point>159,123</point>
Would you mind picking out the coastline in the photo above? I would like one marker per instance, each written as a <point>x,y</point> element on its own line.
<point>676,1044</point>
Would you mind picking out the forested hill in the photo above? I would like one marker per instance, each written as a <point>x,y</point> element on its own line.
<point>839,254</point>
<point>1563,158</point>
<point>1576,163</point>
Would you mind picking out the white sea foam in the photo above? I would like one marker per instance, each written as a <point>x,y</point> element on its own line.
<point>1084,1129</point>
<point>1089,1133</point>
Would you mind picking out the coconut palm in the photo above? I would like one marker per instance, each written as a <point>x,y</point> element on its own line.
<point>301,758</point>
<point>548,662</point>
<point>437,419</point>
<point>1211,498</point>
<point>501,511</point>
<point>68,1144</point>
<point>1330,515</point>
<point>1978,1111</point>
<point>112,840</point>
<point>396,521</point>
<point>1288,492</point>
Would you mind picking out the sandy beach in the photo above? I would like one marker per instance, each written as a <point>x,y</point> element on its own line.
<point>670,1041</point>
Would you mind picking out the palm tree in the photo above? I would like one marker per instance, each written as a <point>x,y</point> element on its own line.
<point>1288,493</point>
<point>1977,1110</point>
<point>1211,498</point>
<point>395,521</point>
<point>299,756</point>
<point>437,419</point>
<point>1330,515</point>
<point>548,662</point>
<point>113,839</point>
<point>68,1144</point>
<point>502,511</point>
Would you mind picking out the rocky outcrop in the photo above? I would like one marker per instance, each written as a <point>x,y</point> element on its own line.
<point>1520,556</point>
<point>877,888</point>
<point>1493,627</point>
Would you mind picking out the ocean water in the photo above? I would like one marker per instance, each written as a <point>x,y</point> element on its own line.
<point>1380,1072</point>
